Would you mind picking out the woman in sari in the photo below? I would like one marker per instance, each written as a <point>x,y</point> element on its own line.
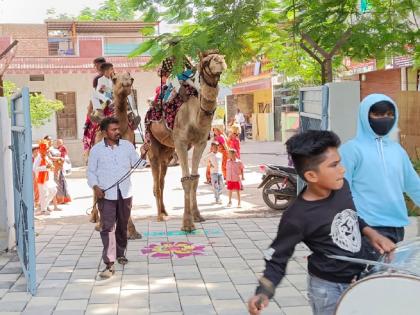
<point>58,153</point>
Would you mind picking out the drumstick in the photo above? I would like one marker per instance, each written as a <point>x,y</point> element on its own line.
<point>373,263</point>
<point>259,302</point>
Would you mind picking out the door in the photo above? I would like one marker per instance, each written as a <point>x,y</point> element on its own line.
<point>23,185</point>
<point>66,118</point>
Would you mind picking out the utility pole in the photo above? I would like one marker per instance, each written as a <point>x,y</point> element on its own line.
<point>6,63</point>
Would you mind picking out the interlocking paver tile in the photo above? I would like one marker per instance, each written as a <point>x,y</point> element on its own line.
<point>191,287</point>
<point>135,282</point>
<point>105,295</point>
<point>41,305</point>
<point>131,299</point>
<point>162,285</point>
<point>222,291</point>
<point>77,291</point>
<point>108,309</point>
<point>164,302</point>
<point>230,307</point>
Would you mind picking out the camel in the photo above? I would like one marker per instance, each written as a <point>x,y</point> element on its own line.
<point>122,88</point>
<point>191,129</point>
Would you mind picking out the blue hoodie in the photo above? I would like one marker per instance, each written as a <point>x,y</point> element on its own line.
<point>379,171</point>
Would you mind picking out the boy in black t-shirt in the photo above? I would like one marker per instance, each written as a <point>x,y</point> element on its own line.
<point>325,219</point>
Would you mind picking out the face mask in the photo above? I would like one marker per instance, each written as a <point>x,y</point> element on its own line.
<point>381,126</point>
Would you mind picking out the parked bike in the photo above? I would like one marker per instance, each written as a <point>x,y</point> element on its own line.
<point>279,185</point>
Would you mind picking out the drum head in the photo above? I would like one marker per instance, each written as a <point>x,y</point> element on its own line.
<point>388,294</point>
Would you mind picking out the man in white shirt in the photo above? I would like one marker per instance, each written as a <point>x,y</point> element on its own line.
<point>240,120</point>
<point>214,159</point>
<point>109,161</point>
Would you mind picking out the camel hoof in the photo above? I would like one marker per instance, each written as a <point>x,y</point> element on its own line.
<point>188,228</point>
<point>161,217</point>
<point>134,236</point>
<point>199,218</point>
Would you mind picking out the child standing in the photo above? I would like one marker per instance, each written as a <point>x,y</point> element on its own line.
<point>325,219</point>
<point>234,174</point>
<point>214,159</point>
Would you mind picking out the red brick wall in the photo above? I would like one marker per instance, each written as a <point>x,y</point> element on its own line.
<point>32,38</point>
<point>90,47</point>
<point>4,42</point>
<point>382,81</point>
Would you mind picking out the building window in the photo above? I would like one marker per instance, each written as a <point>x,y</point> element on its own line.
<point>36,77</point>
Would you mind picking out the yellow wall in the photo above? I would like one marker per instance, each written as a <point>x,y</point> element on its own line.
<point>263,96</point>
<point>412,79</point>
<point>263,127</point>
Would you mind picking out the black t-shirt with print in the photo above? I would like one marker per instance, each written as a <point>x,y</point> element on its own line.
<point>328,227</point>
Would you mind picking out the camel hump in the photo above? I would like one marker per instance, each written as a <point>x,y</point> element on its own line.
<point>162,133</point>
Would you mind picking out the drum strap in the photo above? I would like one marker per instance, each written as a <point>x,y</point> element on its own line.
<point>373,263</point>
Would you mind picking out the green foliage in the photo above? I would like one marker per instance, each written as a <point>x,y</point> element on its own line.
<point>244,30</point>
<point>110,10</point>
<point>41,108</point>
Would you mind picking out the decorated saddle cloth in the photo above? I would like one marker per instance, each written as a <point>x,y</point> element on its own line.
<point>166,113</point>
<point>91,128</point>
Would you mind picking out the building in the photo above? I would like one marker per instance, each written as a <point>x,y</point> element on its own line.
<point>253,95</point>
<point>55,59</point>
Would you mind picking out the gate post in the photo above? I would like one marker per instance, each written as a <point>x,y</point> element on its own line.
<point>7,230</point>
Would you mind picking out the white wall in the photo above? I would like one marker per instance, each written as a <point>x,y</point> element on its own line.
<point>144,82</point>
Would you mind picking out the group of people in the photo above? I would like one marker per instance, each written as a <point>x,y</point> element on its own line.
<point>50,165</point>
<point>224,165</point>
<point>353,205</point>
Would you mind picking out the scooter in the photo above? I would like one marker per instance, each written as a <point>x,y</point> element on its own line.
<point>279,185</point>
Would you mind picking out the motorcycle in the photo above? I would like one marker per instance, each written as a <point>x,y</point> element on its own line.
<point>279,185</point>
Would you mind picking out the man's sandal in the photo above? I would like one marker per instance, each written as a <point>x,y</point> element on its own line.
<point>108,272</point>
<point>122,260</point>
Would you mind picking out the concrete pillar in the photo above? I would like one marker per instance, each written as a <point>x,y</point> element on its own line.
<point>7,217</point>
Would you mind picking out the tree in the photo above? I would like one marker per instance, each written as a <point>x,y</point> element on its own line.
<point>109,10</point>
<point>297,35</point>
<point>41,108</point>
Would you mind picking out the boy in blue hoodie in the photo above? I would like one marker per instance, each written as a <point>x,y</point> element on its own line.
<point>379,170</point>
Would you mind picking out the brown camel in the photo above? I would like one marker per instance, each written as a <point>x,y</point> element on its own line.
<point>122,88</point>
<point>191,129</point>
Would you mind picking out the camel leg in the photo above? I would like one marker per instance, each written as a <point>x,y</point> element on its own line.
<point>163,169</point>
<point>155,166</point>
<point>182,151</point>
<point>132,233</point>
<point>197,153</point>
<point>187,221</point>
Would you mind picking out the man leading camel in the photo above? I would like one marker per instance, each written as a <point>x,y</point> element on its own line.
<point>109,161</point>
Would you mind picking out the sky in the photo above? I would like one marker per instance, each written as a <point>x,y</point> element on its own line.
<point>34,11</point>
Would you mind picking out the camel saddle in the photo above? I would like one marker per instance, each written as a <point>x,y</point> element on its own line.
<point>162,133</point>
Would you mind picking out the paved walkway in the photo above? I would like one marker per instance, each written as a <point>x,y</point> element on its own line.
<point>218,279</point>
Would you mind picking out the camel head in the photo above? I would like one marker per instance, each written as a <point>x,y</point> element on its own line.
<point>123,83</point>
<point>212,66</point>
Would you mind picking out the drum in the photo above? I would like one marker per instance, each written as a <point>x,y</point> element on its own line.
<point>392,287</point>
